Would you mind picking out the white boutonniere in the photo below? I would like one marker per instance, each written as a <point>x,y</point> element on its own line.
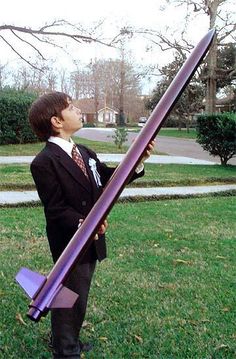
<point>96,175</point>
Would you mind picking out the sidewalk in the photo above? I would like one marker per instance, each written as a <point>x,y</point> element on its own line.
<point>118,158</point>
<point>16,197</point>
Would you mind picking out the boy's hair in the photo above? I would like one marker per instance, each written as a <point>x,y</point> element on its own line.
<point>43,109</point>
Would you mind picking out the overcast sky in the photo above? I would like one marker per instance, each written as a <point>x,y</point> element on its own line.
<point>116,14</point>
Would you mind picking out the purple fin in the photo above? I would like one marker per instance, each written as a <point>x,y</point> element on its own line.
<point>65,298</point>
<point>30,281</point>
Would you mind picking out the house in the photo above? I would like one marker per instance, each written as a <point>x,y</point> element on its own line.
<point>103,113</point>
<point>226,104</point>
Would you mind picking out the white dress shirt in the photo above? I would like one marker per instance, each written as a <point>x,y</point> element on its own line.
<point>64,144</point>
<point>68,145</point>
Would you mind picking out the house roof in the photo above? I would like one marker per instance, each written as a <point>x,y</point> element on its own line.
<point>87,105</point>
<point>225,100</point>
<point>108,108</point>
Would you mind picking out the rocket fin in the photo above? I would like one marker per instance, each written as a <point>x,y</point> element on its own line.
<point>65,298</point>
<point>30,281</point>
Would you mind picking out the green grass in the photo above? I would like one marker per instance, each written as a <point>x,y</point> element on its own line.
<point>173,132</point>
<point>18,176</point>
<point>31,149</point>
<point>166,291</point>
<point>184,175</point>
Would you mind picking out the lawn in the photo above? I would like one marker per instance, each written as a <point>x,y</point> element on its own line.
<point>173,132</point>
<point>31,149</point>
<point>184,175</point>
<point>166,291</point>
<point>17,176</point>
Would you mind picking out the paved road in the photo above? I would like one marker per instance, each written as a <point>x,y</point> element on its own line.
<point>169,145</point>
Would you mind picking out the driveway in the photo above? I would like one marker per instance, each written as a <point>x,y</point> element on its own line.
<point>169,145</point>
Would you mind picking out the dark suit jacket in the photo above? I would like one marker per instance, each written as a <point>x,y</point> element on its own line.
<point>68,196</point>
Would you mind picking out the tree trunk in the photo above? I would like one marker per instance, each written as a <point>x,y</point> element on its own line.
<point>121,97</point>
<point>188,121</point>
<point>211,81</point>
<point>212,9</point>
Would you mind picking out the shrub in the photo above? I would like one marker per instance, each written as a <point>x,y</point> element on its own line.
<point>110,125</point>
<point>14,124</point>
<point>120,136</point>
<point>89,125</point>
<point>216,133</point>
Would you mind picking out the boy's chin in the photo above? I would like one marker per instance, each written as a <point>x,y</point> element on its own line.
<point>80,126</point>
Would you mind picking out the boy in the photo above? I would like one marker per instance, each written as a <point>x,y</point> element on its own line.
<point>69,179</point>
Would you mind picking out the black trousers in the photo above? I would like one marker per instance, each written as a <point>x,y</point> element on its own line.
<point>66,323</point>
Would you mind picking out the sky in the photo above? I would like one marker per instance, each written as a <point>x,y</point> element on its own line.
<point>142,14</point>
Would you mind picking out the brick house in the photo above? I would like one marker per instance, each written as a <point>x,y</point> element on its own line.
<point>105,114</point>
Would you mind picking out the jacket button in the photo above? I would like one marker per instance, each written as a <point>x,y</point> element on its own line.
<point>84,203</point>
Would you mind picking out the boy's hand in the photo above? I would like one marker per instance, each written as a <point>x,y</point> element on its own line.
<point>101,230</point>
<point>149,150</point>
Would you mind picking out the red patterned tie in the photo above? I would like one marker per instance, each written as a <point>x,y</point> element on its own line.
<point>78,160</point>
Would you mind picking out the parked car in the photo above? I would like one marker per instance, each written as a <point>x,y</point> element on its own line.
<point>142,121</point>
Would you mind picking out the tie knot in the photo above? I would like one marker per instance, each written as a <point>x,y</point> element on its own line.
<point>74,149</point>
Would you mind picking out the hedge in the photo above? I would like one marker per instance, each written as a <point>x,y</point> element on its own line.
<point>14,125</point>
<point>216,133</point>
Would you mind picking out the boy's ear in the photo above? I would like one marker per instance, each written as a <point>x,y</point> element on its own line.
<point>56,122</point>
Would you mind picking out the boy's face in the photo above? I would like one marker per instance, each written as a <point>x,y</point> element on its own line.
<point>72,119</point>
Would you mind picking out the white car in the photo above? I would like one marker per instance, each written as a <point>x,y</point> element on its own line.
<point>142,121</point>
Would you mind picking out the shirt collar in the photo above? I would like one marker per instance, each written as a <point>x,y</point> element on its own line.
<point>65,145</point>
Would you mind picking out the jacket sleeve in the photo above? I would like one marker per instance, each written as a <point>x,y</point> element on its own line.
<point>57,211</point>
<point>106,172</point>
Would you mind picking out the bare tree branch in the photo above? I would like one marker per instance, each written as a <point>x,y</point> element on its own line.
<point>28,43</point>
<point>47,42</point>
<point>73,36</point>
<point>46,33</point>
<point>227,33</point>
<point>22,57</point>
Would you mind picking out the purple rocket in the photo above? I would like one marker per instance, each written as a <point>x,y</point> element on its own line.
<point>49,292</point>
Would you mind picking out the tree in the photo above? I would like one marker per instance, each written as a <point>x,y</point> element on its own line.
<point>219,17</point>
<point>116,83</point>
<point>191,101</point>
<point>3,75</point>
<point>225,27</point>
<point>120,136</point>
<point>64,81</point>
<point>217,135</point>
<point>48,35</point>
<point>31,79</point>
<point>226,66</point>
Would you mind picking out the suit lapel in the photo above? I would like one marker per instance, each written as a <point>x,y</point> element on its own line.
<point>67,162</point>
